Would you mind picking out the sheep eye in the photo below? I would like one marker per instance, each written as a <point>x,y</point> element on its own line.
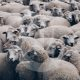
<point>58,46</point>
<point>50,48</point>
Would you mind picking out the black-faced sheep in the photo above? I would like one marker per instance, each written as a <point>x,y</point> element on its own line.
<point>52,45</point>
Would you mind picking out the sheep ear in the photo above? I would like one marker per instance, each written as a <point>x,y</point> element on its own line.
<point>64,37</point>
<point>47,21</point>
<point>63,10</point>
<point>19,30</point>
<point>15,32</point>
<point>4,32</point>
<point>76,37</point>
<point>6,51</point>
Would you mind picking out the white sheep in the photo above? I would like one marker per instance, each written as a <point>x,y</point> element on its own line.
<point>54,69</point>
<point>54,31</point>
<point>13,20</point>
<point>27,43</point>
<point>46,42</point>
<point>58,4</point>
<point>73,57</point>
<point>59,21</point>
<point>53,20</point>
<point>12,7</point>
<point>3,29</point>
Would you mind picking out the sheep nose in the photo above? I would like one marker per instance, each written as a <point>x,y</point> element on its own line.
<point>42,26</point>
<point>71,44</point>
<point>11,59</point>
<point>27,34</point>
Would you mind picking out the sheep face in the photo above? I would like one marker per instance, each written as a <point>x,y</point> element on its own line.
<point>57,12</point>
<point>31,30</point>
<point>71,56</point>
<point>22,29</point>
<point>34,7</point>
<point>11,35</point>
<point>68,16</point>
<point>14,54</point>
<point>70,39</point>
<point>74,6</point>
<point>37,56</point>
<point>67,56</point>
<point>73,18</point>
<point>54,50</point>
<point>37,7</point>
<point>26,21</point>
<point>41,22</point>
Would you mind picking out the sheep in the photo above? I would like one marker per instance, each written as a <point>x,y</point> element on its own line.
<point>53,32</point>
<point>53,20</point>
<point>74,6</point>
<point>7,14</point>
<point>52,45</point>
<point>42,23</point>
<point>25,43</point>
<point>57,11</point>
<point>58,4</point>
<point>60,20</point>
<point>27,12</point>
<point>21,53</point>
<point>37,5</point>
<point>25,72</point>
<point>70,39</point>
<point>12,7</point>
<point>72,17</point>
<point>7,71</point>
<point>3,29</point>
<point>30,67</point>
<point>73,57</point>
<point>75,27</point>
<point>4,14</point>
<point>57,71</point>
<point>14,21</point>
<point>52,69</point>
